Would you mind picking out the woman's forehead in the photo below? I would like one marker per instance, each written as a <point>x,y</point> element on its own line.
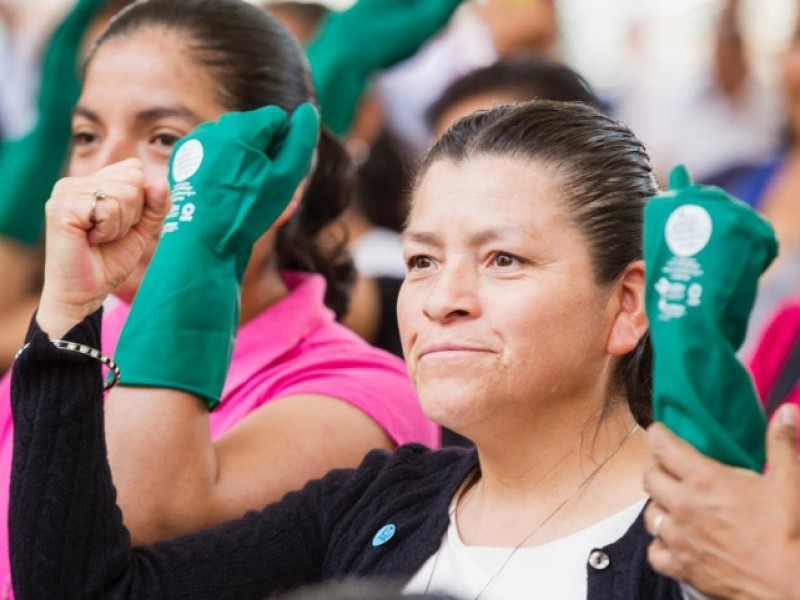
<point>495,177</point>
<point>149,66</point>
<point>501,193</point>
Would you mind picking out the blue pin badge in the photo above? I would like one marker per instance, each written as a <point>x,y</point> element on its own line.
<point>384,534</point>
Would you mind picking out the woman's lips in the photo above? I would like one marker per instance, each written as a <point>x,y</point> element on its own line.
<point>446,348</point>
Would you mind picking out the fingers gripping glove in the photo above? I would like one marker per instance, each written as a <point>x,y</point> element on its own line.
<point>371,36</point>
<point>704,252</point>
<point>31,165</point>
<point>229,180</point>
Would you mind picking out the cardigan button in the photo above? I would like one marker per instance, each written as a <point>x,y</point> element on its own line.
<point>599,560</point>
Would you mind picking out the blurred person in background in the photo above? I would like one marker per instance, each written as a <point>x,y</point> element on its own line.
<point>771,187</point>
<point>480,34</point>
<point>726,114</point>
<point>508,81</point>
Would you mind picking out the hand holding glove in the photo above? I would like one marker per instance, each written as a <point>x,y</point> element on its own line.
<point>230,180</point>
<point>704,252</point>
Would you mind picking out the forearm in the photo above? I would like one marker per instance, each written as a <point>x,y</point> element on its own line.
<point>163,460</point>
<point>151,442</point>
<point>63,523</point>
<point>67,536</point>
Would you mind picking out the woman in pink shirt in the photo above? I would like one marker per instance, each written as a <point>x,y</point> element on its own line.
<point>303,394</point>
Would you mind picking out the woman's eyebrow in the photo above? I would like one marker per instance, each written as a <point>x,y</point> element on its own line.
<point>161,112</point>
<point>145,116</point>
<point>476,238</point>
<point>496,233</point>
<point>82,111</point>
<point>421,237</point>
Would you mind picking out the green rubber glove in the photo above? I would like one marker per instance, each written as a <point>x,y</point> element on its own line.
<point>704,252</point>
<point>370,36</point>
<point>229,180</point>
<point>31,165</point>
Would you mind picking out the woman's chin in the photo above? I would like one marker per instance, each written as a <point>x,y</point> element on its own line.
<point>452,413</point>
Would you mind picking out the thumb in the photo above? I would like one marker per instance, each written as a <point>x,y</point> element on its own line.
<point>157,203</point>
<point>782,441</point>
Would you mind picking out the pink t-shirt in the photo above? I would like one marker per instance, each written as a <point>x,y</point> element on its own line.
<point>773,350</point>
<point>294,347</point>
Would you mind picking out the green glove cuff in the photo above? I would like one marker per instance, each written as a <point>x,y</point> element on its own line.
<point>370,36</point>
<point>30,166</point>
<point>704,252</point>
<point>230,180</point>
<point>181,328</point>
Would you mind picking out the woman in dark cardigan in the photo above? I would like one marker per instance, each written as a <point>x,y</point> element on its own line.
<point>523,328</point>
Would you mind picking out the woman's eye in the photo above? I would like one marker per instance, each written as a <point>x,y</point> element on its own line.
<point>83,139</point>
<point>503,259</point>
<point>416,263</point>
<point>168,140</point>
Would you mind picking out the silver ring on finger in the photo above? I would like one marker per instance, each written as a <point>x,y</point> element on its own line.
<point>657,523</point>
<point>99,194</point>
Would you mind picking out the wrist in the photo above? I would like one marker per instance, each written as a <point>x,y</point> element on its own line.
<point>182,324</point>
<point>56,318</point>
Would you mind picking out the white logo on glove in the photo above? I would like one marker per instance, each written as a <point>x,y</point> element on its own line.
<point>187,160</point>
<point>688,230</point>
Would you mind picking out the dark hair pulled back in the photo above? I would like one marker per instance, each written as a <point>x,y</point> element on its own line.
<point>606,175</point>
<point>255,61</point>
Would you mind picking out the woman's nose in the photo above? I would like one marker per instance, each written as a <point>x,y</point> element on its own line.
<point>453,293</point>
<point>115,148</point>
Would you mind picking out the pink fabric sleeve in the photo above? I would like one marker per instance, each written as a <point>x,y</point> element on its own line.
<point>773,349</point>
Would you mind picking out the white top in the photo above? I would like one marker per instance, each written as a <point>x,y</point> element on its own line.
<point>556,569</point>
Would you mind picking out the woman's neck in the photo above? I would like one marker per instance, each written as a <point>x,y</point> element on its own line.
<point>261,292</point>
<point>594,470</point>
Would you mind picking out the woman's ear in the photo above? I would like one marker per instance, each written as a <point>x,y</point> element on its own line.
<point>630,319</point>
<point>293,205</point>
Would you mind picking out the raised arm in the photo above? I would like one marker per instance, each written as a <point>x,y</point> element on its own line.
<point>67,539</point>
<point>67,536</point>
